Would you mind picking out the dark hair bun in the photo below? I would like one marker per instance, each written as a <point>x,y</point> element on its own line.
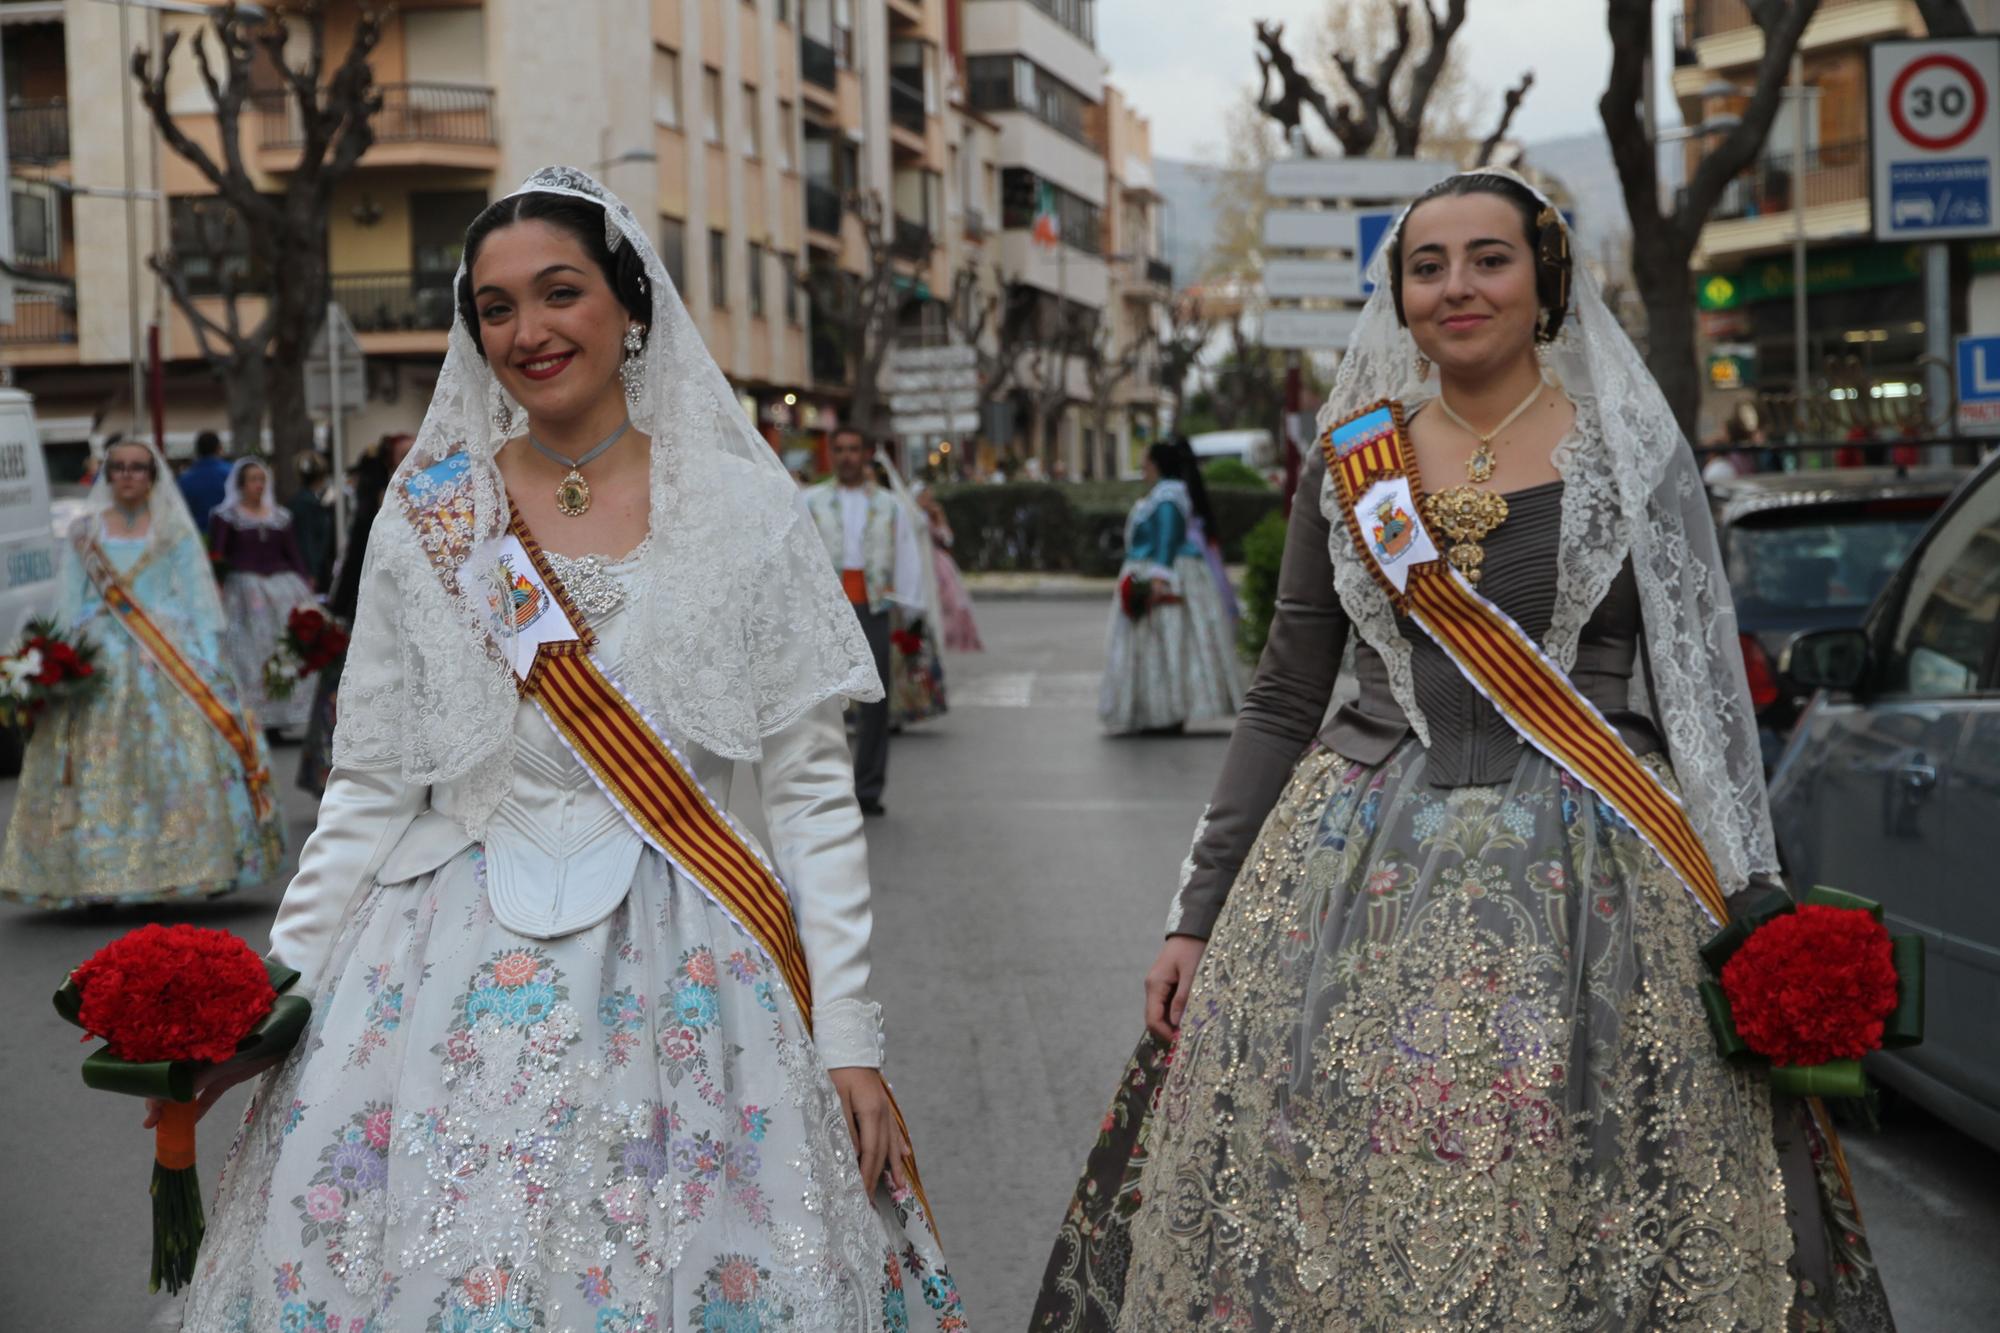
<point>1542,225</point>
<point>622,268</point>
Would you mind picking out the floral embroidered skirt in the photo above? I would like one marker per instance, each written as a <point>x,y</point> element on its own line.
<point>133,797</point>
<point>1445,1066</point>
<point>1175,664</point>
<point>257,607</point>
<point>625,1129</point>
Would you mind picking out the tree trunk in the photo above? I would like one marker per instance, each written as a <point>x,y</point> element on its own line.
<point>1667,289</point>
<point>243,391</point>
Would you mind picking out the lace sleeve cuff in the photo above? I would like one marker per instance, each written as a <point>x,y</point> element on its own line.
<point>848,1033</point>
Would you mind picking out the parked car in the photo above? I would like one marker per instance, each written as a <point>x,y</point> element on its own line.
<point>1890,788</point>
<point>1809,550</point>
<point>27,546</point>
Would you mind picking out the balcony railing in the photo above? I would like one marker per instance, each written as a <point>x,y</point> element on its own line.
<point>38,131</point>
<point>394,302</point>
<point>975,225</point>
<point>1708,18</point>
<point>822,208</point>
<point>453,113</point>
<point>1079,16</point>
<point>1829,174</point>
<point>906,105</point>
<point>40,320</point>
<point>913,239</point>
<point>1159,272</point>
<point>816,63</point>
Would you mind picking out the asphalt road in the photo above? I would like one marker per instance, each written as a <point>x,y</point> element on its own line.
<point>1022,876</point>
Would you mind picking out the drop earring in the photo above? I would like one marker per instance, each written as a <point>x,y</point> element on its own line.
<point>632,369</point>
<point>503,418</point>
<point>1423,368</point>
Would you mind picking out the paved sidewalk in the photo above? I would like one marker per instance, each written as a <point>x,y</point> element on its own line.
<point>1022,585</point>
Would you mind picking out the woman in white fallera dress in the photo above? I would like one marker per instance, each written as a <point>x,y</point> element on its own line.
<point>550,1083</point>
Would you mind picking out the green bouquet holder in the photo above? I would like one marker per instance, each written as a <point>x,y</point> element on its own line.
<point>178,1224</point>
<point>1836,1078</point>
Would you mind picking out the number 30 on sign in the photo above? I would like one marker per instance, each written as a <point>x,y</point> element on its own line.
<point>1935,137</point>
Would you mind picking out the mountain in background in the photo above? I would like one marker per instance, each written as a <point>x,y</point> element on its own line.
<point>1582,162</point>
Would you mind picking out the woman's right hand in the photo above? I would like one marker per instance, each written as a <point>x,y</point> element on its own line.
<point>1168,981</point>
<point>211,1083</point>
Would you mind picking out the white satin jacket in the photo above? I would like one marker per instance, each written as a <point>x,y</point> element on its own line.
<point>560,857</point>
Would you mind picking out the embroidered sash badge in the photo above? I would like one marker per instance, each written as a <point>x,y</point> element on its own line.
<point>1397,538</point>
<point>525,614</point>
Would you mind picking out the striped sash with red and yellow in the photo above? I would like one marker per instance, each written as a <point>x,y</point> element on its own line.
<point>1375,475</point>
<point>237,731</point>
<point>551,648</point>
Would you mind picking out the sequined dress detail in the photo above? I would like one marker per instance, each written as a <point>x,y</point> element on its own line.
<point>623,1128</point>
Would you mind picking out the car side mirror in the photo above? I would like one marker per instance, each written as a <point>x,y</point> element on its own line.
<point>1827,659</point>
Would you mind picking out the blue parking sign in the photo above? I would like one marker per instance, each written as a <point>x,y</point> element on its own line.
<point>1951,193</point>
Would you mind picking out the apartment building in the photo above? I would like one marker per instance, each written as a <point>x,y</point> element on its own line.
<point>1033,68</point>
<point>1140,283</point>
<point>744,125</point>
<point>1865,299</point>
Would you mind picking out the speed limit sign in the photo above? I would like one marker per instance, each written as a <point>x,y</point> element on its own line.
<point>1935,137</point>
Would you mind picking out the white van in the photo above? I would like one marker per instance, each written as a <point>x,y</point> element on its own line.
<point>1250,447</point>
<point>27,543</point>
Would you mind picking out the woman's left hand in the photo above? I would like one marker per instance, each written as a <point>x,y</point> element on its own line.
<point>878,1140</point>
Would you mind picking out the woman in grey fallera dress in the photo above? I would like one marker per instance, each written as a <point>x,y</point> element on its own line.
<point>1438,1057</point>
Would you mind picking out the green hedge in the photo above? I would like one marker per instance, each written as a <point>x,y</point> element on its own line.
<point>1263,553</point>
<point>1233,472</point>
<point>1056,527</point>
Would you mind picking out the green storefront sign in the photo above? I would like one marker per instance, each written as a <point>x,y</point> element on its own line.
<point>1826,271</point>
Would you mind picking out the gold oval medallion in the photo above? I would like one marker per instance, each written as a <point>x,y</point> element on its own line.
<point>573,494</point>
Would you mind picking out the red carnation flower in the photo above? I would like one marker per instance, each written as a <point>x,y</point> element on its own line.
<point>174,993</point>
<point>1812,985</point>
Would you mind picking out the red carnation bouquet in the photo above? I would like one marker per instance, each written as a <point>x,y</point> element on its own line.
<point>1812,989</point>
<point>312,642</point>
<point>49,669</point>
<point>1136,596</point>
<point>170,1003</point>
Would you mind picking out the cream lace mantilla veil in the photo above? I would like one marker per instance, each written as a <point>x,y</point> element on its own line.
<point>1631,490</point>
<point>739,625</point>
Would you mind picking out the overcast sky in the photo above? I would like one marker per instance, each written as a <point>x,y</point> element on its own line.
<point>1183,62</point>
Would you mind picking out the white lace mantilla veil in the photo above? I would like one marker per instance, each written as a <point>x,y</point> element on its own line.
<point>169,524</point>
<point>1631,488</point>
<point>739,625</point>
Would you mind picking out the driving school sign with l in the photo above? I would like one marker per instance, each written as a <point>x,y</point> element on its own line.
<point>1934,136</point>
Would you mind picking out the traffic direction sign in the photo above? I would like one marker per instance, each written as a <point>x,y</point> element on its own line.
<point>335,380</point>
<point>1309,330</point>
<point>1353,177</point>
<point>1935,137</point>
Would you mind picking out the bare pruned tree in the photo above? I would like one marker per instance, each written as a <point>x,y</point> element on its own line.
<point>1946,18</point>
<point>977,318</point>
<point>1508,106</point>
<point>1187,332</point>
<point>1105,368</point>
<point>1050,332</point>
<point>1664,234</point>
<point>861,310</point>
<point>328,114</point>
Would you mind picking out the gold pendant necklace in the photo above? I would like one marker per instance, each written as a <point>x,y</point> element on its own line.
<point>1465,515</point>
<point>573,492</point>
<point>1479,467</point>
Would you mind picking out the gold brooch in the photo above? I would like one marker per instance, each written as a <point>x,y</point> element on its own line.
<point>1465,516</point>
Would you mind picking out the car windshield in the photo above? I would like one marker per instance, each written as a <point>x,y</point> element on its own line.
<point>1826,557</point>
